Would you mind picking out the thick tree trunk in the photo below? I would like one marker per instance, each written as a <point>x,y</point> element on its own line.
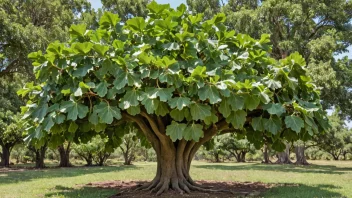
<point>64,156</point>
<point>5,157</point>
<point>300,157</point>
<point>266,155</point>
<point>284,157</point>
<point>39,157</point>
<point>89,159</point>
<point>242,156</point>
<point>173,158</point>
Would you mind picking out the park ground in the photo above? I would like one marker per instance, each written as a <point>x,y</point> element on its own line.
<point>321,179</point>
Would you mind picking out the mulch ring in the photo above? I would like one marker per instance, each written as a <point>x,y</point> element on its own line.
<point>126,189</point>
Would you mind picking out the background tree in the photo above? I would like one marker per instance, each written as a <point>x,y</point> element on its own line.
<point>236,146</point>
<point>127,9</point>
<point>181,81</point>
<point>28,26</point>
<point>94,150</point>
<point>11,133</point>
<point>333,140</point>
<point>129,144</point>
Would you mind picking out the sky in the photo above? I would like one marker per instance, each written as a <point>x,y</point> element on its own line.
<point>174,3</point>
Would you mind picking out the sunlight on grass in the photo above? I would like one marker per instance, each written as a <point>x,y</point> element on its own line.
<point>322,179</point>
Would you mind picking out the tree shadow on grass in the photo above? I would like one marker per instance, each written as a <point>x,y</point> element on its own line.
<point>302,191</point>
<point>277,190</point>
<point>86,192</point>
<point>23,175</point>
<point>326,169</point>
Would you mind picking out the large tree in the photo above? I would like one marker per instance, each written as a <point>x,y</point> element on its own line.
<point>180,80</point>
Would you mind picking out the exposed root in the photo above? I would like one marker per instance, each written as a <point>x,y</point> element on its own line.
<point>157,187</point>
<point>164,188</point>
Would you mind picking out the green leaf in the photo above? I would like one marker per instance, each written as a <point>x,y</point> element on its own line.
<point>209,92</point>
<point>134,110</point>
<point>257,124</point>
<point>109,19</point>
<point>200,111</point>
<point>199,71</point>
<point>150,105</point>
<point>130,99</point>
<point>274,109</point>
<point>78,30</point>
<point>157,8</point>
<point>83,48</point>
<point>224,108</point>
<point>273,84</point>
<point>73,109</point>
<point>272,125</point>
<point>163,93</point>
<point>107,113</point>
<point>237,119</point>
<point>93,118</point>
<point>211,119</point>
<point>179,102</point>
<point>236,102</point>
<point>137,24</point>
<point>171,46</point>
<point>251,102</point>
<point>162,109</point>
<point>40,112</point>
<point>294,122</point>
<point>73,127</point>
<point>193,132</point>
<point>175,130</point>
<point>48,123</point>
<point>82,71</point>
<point>101,49</point>
<point>278,146</point>
<point>102,88</point>
<point>177,115</point>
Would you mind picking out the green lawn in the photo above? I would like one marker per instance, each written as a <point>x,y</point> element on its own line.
<point>325,179</point>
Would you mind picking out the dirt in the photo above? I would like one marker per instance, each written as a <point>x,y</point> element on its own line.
<point>126,189</point>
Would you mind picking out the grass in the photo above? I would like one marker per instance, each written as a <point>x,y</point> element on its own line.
<point>324,179</point>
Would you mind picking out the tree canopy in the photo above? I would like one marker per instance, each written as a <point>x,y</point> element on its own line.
<point>181,79</point>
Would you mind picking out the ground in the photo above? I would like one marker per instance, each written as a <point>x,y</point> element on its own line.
<point>323,179</point>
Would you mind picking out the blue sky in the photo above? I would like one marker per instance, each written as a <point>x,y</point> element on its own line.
<point>174,3</point>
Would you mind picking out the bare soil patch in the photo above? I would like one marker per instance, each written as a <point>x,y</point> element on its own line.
<point>127,189</point>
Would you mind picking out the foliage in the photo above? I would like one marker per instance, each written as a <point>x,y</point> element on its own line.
<point>127,9</point>
<point>335,140</point>
<point>28,26</point>
<point>92,151</point>
<point>170,66</point>
<point>130,144</point>
<point>11,129</point>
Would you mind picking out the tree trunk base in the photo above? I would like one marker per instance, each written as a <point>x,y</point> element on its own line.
<point>301,159</point>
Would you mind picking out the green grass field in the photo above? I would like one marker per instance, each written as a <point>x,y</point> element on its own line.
<point>323,179</point>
